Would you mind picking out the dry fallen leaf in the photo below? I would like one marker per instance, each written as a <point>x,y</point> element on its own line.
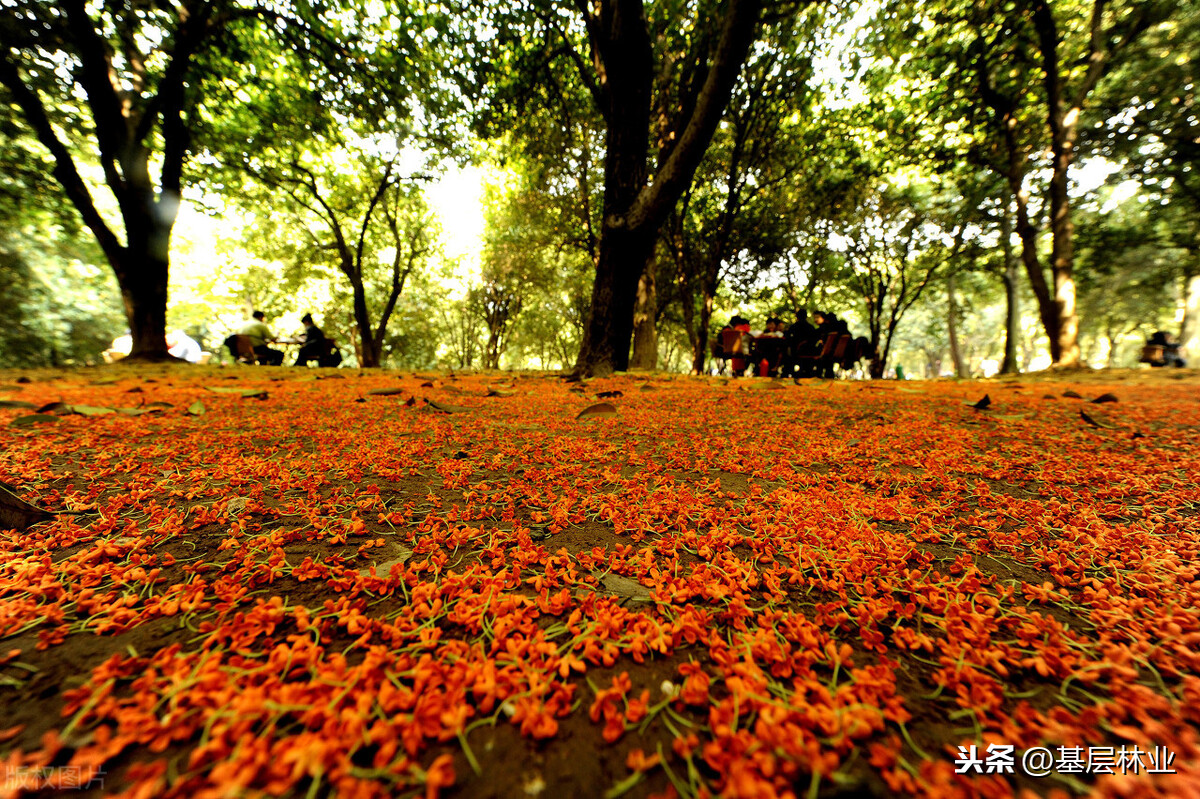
<point>982,405</point>
<point>16,513</point>
<point>598,410</point>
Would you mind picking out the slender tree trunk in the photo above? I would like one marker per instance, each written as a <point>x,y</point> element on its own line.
<point>707,301</point>
<point>368,353</point>
<point>1062,261</point>
<point>645,329</point>
<point>1012,315</point>
<point>960,366</point>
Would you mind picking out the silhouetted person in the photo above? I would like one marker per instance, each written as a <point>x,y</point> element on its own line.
<point>314,343</point>
<point>799,342</point>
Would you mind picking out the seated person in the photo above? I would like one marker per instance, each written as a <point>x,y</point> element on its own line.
<point>740,355</point>
<point>121,346</point>
<point>769,346</point>
<point>799,342</point>
<point>259,334</point>
<point>315,345</point>
<point>183,346</point>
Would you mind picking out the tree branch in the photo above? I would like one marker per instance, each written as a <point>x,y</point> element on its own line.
<point>655,201</point>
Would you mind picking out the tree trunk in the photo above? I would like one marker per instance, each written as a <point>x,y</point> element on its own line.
<point>623,254</point>
<point>707,299</point>
<point>645,330</point>
<point>1189,329</point>
<point>368,352</point>
<point>143,283</point>
<point>1012,315</point>
<point>634,206</point>
<point>960,366</point>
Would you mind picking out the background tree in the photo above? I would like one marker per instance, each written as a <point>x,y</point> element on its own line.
<point>122,86</point>
<point>613,47</point>
<point>371,222</point>
<point>1020,78</point>
<point>759,157</point>
<point>892,251</point>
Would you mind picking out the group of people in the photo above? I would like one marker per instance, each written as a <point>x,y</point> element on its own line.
<point>315,346</point>
<point>803,349</point>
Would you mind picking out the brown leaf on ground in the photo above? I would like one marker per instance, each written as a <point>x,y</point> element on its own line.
<point>16,513</point>
<point>624,587</point>
<point>1072,394</point>
<point>598,410</point>
<point>1105,398</point>
<point>386,392</point>
<point>983,404</point>
<point>440,408</point>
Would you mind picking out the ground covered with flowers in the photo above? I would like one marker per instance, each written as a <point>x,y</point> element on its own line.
<point>314,583</point>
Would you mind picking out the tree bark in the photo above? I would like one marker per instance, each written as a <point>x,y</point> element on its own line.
<point>142,278</point>
<point>707,301</point>
<point>960,366</point>
<point>645,328</point>
<point>1012,315</point>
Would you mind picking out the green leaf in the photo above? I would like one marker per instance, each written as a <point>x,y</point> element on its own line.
<point>196,409</point>
<point>89,410</point>
<point>35,418</point>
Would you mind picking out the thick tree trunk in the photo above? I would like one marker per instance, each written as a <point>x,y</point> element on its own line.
<point>144,293</point>
<point>141,269</point>
<point>1189,330</point>
<point>645,329</point>
<point>606,337</point>
<point>960,366</point>
<point>634,206</point>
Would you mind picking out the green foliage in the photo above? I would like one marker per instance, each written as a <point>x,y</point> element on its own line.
<point>59,310</point>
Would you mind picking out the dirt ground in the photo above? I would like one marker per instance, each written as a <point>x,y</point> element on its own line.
<point>329,582</point>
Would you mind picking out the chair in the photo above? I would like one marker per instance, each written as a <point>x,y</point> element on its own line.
<point>825,357</point>
<point>718,355</point>
<point>330,356</point>
<point>841,348</point>
<point>1154,354</point>
<point>241,349</point>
